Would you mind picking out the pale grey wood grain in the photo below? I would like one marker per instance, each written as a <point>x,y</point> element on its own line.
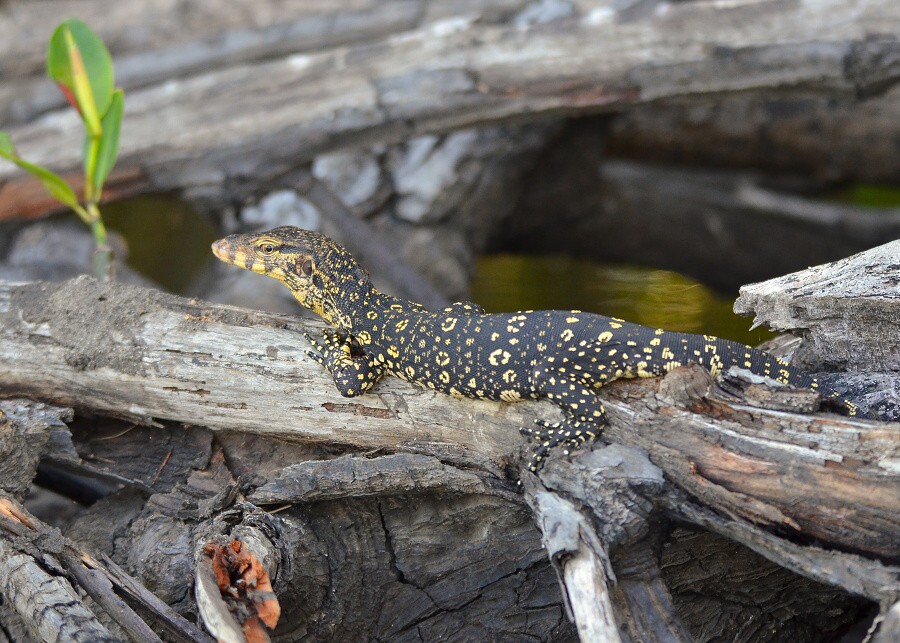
<point>458,71</point>
<point>848,311</point>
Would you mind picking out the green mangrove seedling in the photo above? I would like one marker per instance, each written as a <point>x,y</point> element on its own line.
<point>80,64</point>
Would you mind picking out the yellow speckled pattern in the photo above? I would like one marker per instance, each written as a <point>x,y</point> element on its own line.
<point>562,356</point>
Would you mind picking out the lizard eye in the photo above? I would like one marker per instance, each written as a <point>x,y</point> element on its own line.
<point>306,268</point>
<point>267,249</point>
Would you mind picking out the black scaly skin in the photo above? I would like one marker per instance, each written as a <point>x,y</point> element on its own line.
<point>563,356</point>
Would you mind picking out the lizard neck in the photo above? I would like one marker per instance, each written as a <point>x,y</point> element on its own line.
<point>375,310</point>
<point>357,307</point>
<point>346,298</point>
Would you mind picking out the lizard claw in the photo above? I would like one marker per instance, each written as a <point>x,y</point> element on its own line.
<point>332,338</point>
<point>317,352</point>
<point>547,431</point>
<point>537,459</point>
<point>551,434</point>
<point>535,433</point>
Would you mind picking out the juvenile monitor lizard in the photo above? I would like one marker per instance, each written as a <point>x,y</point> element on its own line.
<point>563,356</point>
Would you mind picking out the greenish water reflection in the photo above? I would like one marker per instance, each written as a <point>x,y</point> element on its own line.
<point>644,295</point>
<point>869,195</point>
<point>168,241</point>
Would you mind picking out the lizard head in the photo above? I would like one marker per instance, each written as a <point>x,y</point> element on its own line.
<point>319,273</point>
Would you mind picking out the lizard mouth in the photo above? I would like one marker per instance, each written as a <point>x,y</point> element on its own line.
<point>233,253</point>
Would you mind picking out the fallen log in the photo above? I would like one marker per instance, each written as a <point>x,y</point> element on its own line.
<point>713,224</point>
<point>139,354</point>
<point>847,312</point>
<point>446,72</point>
<point>785,134</point>
<point>46,605</point>
<point>773,479</point>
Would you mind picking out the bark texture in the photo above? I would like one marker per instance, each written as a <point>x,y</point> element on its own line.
<point>847,311</point>
<point>420,511</point>
<point>389,72</point>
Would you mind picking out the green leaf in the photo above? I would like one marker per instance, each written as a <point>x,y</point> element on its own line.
<point>58,66</point>
<point>81,86</point>
<point>78,60</point>
<point>7,150</point>
<point>109,140</point>
<point>54,183</point>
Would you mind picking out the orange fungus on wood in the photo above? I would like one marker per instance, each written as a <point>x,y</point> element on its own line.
<point>245,586</point>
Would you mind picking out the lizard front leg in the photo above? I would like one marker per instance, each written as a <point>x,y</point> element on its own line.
<point>353,374</point>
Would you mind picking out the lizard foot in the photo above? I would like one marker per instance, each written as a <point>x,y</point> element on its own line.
<point>553,434</point>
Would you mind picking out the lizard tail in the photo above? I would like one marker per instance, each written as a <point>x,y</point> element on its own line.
<point>765,364</point>
<point>844,404</point>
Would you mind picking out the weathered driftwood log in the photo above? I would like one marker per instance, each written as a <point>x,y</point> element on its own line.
<point>583,566</point>
<point>25,430</point>
<point>167,358</point>
<point>40,603</point>
<point>832,138</point>
<point>770,479</point>
<point>621,489</point>
<point>199,37</point>
<point>275,110</point>
<point>140,354</point>
<point>847,312</point>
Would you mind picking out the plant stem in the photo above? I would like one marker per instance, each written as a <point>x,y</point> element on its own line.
<point>90,169</point>
<point>103,256</point>
<point>82,214</point>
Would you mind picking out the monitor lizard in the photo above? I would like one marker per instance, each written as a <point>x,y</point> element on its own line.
<point>561,356</point>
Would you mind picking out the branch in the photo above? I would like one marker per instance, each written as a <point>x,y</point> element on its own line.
<point>855,574</point>
<point>581,563</point>
<point>615,488</point>
<point>143,355</point>
<point>33,559</point>
<point>125,351</point>
<point>463,71</point>
<point>359,477</point>
<point>848,310</point>
<point>45,602</point>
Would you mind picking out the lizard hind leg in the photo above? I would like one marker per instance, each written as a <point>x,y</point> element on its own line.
<point>583,412</point>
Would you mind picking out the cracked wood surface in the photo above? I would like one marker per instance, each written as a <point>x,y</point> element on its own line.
<point>42,569</point>
<point>142,354</point>
<point>426,70</point>
<point>45,602</point>
<point>126,351</point>
<point>848,311</point>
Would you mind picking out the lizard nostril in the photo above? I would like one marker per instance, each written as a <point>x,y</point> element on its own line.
<point>222,250</point>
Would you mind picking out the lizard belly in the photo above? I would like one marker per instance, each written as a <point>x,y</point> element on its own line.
<point>468,356</point>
